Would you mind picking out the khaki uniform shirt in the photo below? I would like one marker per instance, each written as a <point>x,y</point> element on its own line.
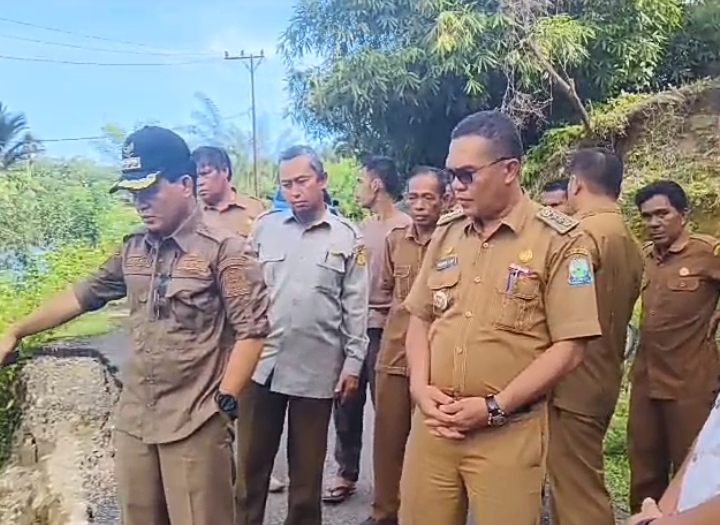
<point>374,232</point>
<point>402,258</point>
<point>317,278</point>
<point>592,389</point>
<point>497,302</point>
<point>238,215</point>
<point>676,358</point>
<point>191,296</point>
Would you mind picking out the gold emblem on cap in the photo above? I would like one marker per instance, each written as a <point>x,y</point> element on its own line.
<point>128,149</point>
<point>684,272</point>
<point>525,256</point>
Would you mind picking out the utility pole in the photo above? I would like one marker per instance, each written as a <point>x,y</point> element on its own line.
<point>252,61</point>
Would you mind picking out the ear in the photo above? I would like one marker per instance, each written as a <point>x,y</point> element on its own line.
<point>512,171</point>
<point>188,184</point>
<point>376,184</point>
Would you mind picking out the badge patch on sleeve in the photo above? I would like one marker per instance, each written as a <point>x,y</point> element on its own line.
<point>579,271</point>
<point>360,256</point>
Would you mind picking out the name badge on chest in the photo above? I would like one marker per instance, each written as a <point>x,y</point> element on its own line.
<point>446,262</point>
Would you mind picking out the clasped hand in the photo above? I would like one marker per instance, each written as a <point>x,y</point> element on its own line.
<point>450,418</point>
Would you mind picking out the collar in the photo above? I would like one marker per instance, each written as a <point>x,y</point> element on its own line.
<point>289,216</point>
<point>597,210</point>
<point>233,202</point>
<point>516,219</point>
<point>678,246</point>
<point>183,234</point>
<point>411,233</point>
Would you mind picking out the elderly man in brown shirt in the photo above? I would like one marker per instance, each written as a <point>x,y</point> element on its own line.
<point>500,311</point>
<point>198,318</point>
<point>379,188</point>
<point>676,373</point>
<point>403,254</point>
<point>584,402</point>
<point>220,200</point>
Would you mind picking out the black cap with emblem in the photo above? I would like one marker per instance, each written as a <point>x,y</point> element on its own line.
<point>152,153</point>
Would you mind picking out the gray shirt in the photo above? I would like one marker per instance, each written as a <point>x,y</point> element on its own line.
<point>317,278</point>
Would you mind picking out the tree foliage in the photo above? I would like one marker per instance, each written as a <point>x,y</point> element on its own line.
<point>395,76</point>
<point>16,143</point>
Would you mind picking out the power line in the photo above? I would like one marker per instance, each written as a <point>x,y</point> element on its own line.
<point>82,35</point>
<point>74,63</point>
<point>103,50</point>
<point>103,137</point>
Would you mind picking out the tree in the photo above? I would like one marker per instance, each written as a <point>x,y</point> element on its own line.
<point>16,143</point>
<point>395,76</point>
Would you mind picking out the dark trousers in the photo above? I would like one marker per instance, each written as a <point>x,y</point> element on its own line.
<point>348,416</point>
<point>260,427</point>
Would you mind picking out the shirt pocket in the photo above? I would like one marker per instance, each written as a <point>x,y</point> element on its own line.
<point>401,276</point>
<point>330,272</point>
<point>516,309</point>
<point>193,303</point>
<point>445,289</point>
<point>270,263</point>
<point>684,284</point>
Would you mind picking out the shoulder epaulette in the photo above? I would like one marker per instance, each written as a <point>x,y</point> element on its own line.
<point>347,223</point>
<point>138,231</point>
<point>451,216</point>
<point>556,220</point>
<point>266,213</point>
<point>712,242</point>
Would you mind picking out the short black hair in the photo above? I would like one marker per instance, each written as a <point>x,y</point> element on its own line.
<point>439,175</point>
<point>602,168</point>
<point>385,169</point>
<point>670,189</point>
<point>556,185</point>
<point>213,156</point>
<point>495,127</point>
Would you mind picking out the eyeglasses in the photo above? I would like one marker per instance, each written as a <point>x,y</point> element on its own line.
<point>467,175</point>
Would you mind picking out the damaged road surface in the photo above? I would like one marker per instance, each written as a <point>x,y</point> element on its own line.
<point>61,468</point>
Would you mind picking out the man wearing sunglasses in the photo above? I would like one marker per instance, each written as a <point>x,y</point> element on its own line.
<point>501,310</point>
<point>198,318</point>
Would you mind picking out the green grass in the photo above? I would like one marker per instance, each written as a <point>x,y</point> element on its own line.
<point>617,469</point>
<point>93,324</point>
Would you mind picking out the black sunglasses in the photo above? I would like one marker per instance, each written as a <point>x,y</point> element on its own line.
<point>467,175</point>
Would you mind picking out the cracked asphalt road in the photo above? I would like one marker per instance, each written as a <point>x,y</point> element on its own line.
<point>352,512</point>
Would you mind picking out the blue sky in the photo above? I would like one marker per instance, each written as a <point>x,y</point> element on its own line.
<point>68,101</point>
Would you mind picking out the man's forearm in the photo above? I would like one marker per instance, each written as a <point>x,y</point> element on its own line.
<point>542,375</point>
<point>58,310</point>
<point>241,365</point>
<point>417,350</point>
<point>705,514</point>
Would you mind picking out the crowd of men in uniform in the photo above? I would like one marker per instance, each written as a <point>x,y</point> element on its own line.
<point>489,330</point>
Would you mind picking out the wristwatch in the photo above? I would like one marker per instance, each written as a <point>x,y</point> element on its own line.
<point>227,404</point>
<point>497,417</point>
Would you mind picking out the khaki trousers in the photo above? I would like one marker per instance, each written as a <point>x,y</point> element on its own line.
<point>660,435</point>
<point>393,413</point>
<point>497,472</point>
<point>260,426</point>
<point>188,482</point>
<point>576,469</point>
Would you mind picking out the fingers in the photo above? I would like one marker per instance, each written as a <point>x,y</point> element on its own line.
<point>439,397</point>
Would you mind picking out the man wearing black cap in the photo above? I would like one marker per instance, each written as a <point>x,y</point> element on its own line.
<point>198,318</point>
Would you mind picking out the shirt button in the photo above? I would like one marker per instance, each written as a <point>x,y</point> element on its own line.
<point>468,314</point>
<point>486,245</point>
<point>459,350</point>
<point>477,279</point>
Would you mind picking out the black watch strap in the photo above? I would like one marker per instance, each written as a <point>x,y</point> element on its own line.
<point>646,522</point>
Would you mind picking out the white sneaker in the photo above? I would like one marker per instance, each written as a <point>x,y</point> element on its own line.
<point>276,485</point>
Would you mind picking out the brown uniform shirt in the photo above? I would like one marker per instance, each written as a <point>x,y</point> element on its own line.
<point>496,303</point>
<point>592,389</point>
<point>239,215</point>
<point>402,258</point>
<point>374,232</point>
<point>191,296</point>
<point>676,358</point>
